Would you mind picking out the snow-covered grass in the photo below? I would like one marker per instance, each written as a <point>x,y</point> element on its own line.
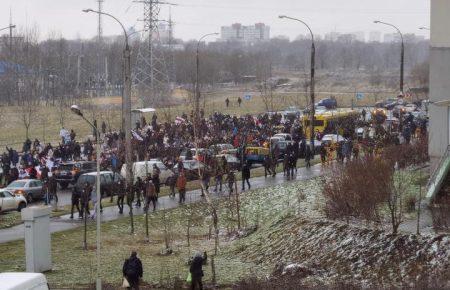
<point>280,224</point>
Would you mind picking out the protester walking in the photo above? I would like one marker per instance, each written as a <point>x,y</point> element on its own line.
<point>150,196</point>
<point>246,175</point>
<point>181,186</point>
<point>132,271</point>
<point>120,196</point>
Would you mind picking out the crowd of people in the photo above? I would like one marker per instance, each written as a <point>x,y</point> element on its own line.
<point>166,140</point>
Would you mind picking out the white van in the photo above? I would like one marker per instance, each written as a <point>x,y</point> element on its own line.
<point>23,281</point>
<point>141,168</point>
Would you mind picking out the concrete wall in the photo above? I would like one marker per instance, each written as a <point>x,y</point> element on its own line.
<point>439,78</point>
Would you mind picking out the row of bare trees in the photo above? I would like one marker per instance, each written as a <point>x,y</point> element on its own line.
<point>61,68</point>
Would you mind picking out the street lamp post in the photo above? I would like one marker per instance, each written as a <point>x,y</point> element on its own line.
<point>312,84</point>
<point>10,27</point>
<point>76,110</point>
<point>402,56</point>
<point>126,99</point>
<point>197,86</point>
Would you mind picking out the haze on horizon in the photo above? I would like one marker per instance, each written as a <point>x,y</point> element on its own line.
<point>194,18</point>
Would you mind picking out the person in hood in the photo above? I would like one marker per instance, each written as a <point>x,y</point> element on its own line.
<point>132,270</point>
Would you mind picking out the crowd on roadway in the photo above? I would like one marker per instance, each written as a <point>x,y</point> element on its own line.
<point>166,141</point>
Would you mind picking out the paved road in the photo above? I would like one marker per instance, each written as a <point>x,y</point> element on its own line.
<point>63,223</point>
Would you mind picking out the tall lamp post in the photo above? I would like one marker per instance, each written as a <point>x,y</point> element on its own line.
<point>126,98</point>
<point>402,59</point>
<point>10,27</point>
<point>197,85</point>
<point>76,110</point>
<point>312,84</point>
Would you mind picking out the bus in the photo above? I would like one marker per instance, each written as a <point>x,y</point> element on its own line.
<point>331,122</point>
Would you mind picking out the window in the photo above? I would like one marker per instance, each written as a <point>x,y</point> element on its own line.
<point>2,194</point>
<point>117,177</point>
<point>89,166</point>
<point>108,178</point>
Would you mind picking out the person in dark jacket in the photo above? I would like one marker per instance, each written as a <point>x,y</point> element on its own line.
<point>246,175</point>
<point>196,271</point>
<point>155,178</point>
<point>132,270</point>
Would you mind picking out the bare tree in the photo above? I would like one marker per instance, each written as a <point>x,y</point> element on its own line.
<point>398,189</point>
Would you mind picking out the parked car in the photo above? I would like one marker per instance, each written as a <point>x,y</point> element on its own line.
<point>23,281</point>
<point>108,182</point>
<point>223,149</point>
<point>285,136</point>
<point>329,103</point>
<point>332,138</point>
<point>142,168</point>
<point>68,172</point>
<point>31,189</point>
<point>10,201</point>
<point>191,168</point>
<point>233,162</point>
<point>201,155</point>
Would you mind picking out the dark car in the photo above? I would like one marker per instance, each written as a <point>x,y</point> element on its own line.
<point>108,182</point>
<point>329,103</point>
<point>191,168</point>
<point>68,172</point>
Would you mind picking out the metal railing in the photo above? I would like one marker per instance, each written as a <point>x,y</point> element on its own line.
<point>439,170</point>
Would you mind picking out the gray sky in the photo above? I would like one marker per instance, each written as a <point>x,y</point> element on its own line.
<point>194,18</point>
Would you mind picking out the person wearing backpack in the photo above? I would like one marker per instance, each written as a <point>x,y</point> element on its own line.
<point>132,271</point>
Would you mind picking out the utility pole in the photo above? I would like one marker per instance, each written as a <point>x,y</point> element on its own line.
<point>197,80</point>
<point>11,26</point>
<point>152,74</point>
<point>126,100</point>
<point>312,88</point>
<point>402,53</point>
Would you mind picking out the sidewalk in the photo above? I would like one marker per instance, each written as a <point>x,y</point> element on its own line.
<point>64,222</point>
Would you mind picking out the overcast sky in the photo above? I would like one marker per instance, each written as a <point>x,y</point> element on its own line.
<point>194,18</point>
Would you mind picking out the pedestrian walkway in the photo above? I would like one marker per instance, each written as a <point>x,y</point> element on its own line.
<point>62,223</point>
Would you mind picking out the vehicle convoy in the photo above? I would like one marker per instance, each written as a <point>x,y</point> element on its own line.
<point>68,172</point>
<point>30,189</point>
<point>11,202</point>
<point>108,182</point>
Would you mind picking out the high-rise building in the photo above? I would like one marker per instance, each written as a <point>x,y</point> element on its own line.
<point>332,36</point>
<point>391,37</point>
<point>375,36</point>
<point>359,36</point>
<point>239,32</point>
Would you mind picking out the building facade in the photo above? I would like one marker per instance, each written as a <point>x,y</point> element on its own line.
<point>439,133</point>
<point>239,32</point>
